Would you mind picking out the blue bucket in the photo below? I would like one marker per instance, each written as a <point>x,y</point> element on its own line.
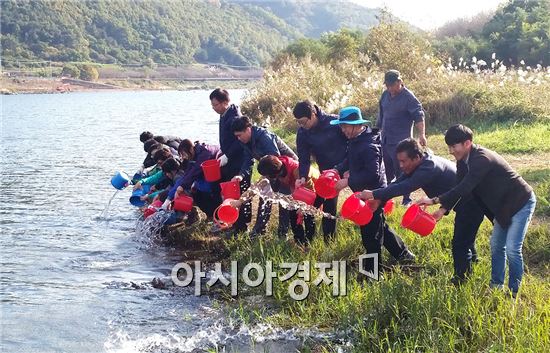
<point>120,180</point>
<point>137,177</point>
<point>136,194</point>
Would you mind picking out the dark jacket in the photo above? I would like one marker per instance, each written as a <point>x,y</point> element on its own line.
<point>435,175</point>
<point>172,141</point>
<point>229,144</point>
<point>263,143</point>
<point>492,181</point>
<point>364,162</point>
<point>325,142</point>
<point>193,171</point>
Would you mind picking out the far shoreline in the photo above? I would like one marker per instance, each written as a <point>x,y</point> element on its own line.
<point>32,85</point>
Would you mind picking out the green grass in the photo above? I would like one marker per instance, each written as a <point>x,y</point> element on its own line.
<point>419,310</point>
<point>412,311</point>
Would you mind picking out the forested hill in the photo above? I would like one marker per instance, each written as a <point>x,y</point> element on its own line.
<point>167,32</point>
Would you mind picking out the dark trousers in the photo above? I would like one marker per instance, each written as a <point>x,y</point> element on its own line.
<point>328,225</point>
<point>245,211</point>
<point>207,201</point>
<point>468,218</point>
<point>303,233</point>
<point>264,214</point>
<point>391,164</point>
<point>377,233</point>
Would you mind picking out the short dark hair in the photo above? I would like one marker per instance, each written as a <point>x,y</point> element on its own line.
<point>269,166</point>
<point>170,165</point>
<point>160,139</point>
<point>145,135</point>
<point>149,145</point>
<point>411,147</point>
<point>220,94</point>
<point>162,154</point>
<point>458,134</point>
<point>303,109</point>
<point>241,123</point>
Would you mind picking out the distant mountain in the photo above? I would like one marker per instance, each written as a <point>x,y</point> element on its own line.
<point>241,33</point>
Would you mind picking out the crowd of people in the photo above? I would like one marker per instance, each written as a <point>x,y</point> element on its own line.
<point>381,161</point>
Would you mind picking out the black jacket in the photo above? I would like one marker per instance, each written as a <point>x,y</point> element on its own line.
<point>325,142</point>
<point>364,162</point>
<point>493,182</point>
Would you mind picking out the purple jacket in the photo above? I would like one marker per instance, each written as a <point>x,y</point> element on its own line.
<point>193,172</point>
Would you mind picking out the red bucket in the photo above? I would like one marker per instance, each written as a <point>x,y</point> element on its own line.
<point>388,207</point>
<point>211,170</point>
<point>356,210</point>
<point>325,186</point>
<point>231,190</point>
<point>418,221</point>
<point>183,203</point>
<point>225,215</point>
<point>304,194</point>
<point>152,208</point>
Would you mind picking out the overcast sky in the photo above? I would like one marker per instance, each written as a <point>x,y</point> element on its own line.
<point>430,14</point>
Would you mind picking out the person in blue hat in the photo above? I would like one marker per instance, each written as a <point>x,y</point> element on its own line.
<point>363,169</point>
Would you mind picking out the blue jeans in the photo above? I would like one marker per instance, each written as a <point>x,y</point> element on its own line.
<point>507,242</point>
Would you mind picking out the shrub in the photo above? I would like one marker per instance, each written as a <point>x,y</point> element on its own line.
<point>89,73</point>
<point>71,71</point>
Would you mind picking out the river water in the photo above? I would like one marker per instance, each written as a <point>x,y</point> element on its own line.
<point>72,281</point>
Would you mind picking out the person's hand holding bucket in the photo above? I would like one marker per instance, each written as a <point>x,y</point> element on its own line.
<point>356,210</point>
<point>341,184</point>
<point>426,201</point>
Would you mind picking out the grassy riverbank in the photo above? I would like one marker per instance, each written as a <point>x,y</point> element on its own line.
<point>418,309</point>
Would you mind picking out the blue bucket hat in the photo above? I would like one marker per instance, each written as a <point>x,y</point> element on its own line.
<point>349,115</point>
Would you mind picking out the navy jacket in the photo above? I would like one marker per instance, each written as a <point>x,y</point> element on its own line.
<point>364,162</point>
<point>229,144</point>
<point>263,143</point>
<point>325,142</point>
<point>435,175</point>
<point>193,171</point>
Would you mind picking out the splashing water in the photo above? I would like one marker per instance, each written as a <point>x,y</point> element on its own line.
<point>150,228</point>
<point>263,189</point>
